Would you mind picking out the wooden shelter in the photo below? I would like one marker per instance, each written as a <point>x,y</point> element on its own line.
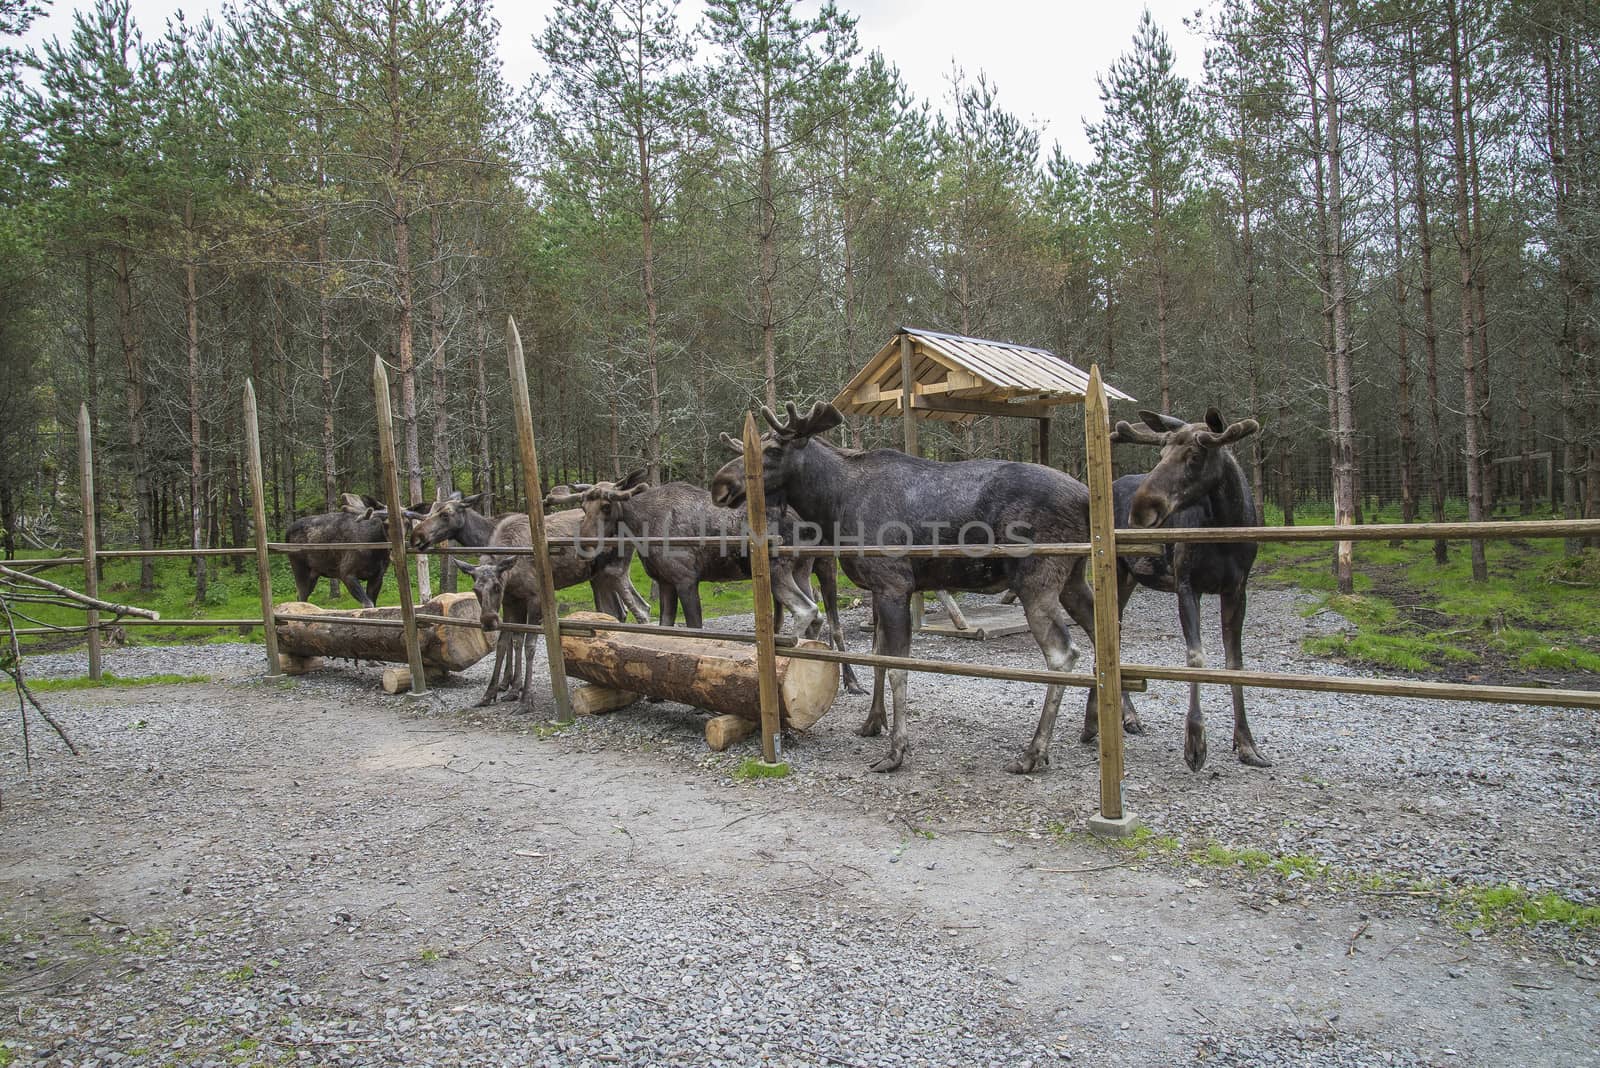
<point>956,379</point>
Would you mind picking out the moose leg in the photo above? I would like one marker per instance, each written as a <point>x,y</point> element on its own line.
<point>374,587</point>
<point>689,597</point>
<point>1233,605</point>
<point>807,620</point>
<point>876,719</point>
<point>1194,727</point>
<point>894,629</point>
<point>501,647</point>
<point>305,580</point>
<point>1047,619</point>
<point>669,605</point>
<point>632,602</point>
<point>356,591</point>
<point>1083,614</point>
<point>828,578</point>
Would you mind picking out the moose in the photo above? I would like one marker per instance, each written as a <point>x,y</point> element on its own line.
<point>507,588</point>
<point>890,497</point>
<point>456,519</point>
<point>361,519</point>
<point>1197,482</point>
<point>678,509</point>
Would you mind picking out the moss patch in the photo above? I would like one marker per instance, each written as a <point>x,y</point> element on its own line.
<point>756,768</point>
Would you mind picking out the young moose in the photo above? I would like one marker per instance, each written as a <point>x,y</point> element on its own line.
<point>890,497</point>
<point>1196,483</point>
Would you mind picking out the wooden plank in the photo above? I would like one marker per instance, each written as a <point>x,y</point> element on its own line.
<point>761,589</point>
<point>1107,627</point>
<point>1504,528</point>
<point>985,622</point>
<point>258,509</point>
<point>1041,442</point>
<point>1438,691</point>
<point>817,651</point>
<point>91,575</point>
<point>592,700</point>
<point>397,526</point>
<point>523,403</point>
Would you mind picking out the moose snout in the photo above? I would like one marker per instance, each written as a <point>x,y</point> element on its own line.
<point>1148,511</point>
<point>489,621</point>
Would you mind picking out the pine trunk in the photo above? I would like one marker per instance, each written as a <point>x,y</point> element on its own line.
<point>133,369</point>
<point>1468,257</point>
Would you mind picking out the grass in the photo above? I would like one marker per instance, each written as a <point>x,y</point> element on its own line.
<point>83,682</point>
<point>242,974</point>
<point>1538,610</point>
<point>1512,906</point>
<point>755,768</point>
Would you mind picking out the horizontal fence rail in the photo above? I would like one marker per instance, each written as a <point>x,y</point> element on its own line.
<point>1439,691</point>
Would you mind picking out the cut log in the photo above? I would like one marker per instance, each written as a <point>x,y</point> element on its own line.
<point>723,731</point>
<point>398,679</point>
<point>592,700</point>
<point>299,665</point>
<point>443,648</point>
<point>718,676</point>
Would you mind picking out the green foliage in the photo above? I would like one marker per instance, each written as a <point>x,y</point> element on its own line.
<point>242,974</point>
<point>1502,906</point>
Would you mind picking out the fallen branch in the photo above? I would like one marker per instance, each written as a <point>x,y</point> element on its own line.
<point>73,595</point>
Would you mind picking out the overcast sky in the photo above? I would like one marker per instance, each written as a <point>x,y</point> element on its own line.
<point>1041,55</point>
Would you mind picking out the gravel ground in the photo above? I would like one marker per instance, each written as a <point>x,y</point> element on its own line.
<point>239,872</point>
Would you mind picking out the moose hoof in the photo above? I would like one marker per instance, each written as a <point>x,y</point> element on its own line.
<point>1250,756</point>
<point>1132,725</point>
<point>889,763</point>
<point>855,688</point>
<point>1088,734</point>
<point>1194,752</point>
<point>871,728</point>
<point>1028,763</point>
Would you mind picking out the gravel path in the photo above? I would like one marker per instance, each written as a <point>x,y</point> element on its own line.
<point>242,873</point>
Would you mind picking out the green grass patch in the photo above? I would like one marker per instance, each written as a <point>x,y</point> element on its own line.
<point>1216,855</point>
<point>429,955</point>
<point>83,682</point>
<point>7,1057</point>
<point>1512,906</point>
<point>242,974</point>
<point>1396,652</point>
<point>756,768</point>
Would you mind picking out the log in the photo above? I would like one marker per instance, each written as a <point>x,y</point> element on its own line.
<point>444,648</point>
<point>299,665</point>
<point>592,700</point>
<point>709,673</point>
<point>398,679</point>
<point>723,731</point>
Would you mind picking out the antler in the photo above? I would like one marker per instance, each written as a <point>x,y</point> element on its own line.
<point>1128,434</point>
<point>622,495</point>
<point>564,494</point>
<point>1242,429</point>
<point>822,418</point>
<point>733,444</point>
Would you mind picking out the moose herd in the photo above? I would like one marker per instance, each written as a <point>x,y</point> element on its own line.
<point>818,492</point>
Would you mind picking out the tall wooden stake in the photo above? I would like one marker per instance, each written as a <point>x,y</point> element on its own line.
<point>761,590</point>
<point>397,526</point>
<point>91,573</point>
<point>1107,628</point>
<point>258,504</point>
<point>908,420</point>
<point>541,558</point>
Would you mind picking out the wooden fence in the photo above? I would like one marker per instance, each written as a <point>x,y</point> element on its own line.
<point>1111,675</point>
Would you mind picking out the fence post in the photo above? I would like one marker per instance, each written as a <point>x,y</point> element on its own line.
<point>258,505</point>
<point>551,619</point>
<point>1112,819</point>
<point>91,571</point>
<point>761,589</point>
<point>397,526</point>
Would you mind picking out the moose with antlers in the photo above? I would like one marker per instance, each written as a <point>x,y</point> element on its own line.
<point>1196,482</point>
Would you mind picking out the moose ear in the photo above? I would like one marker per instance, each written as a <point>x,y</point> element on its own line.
<point>502,566</point>
<point>732,444</point>
<point>1154,420</point>
<point>1215,421</point>
<point>634,478</point>
<point>370,501</point>
<point>472,501</point>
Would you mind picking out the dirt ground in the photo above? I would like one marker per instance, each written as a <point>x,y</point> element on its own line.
<point>243,872</point>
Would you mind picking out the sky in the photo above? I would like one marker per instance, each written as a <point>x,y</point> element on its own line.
<point>1042,55</point>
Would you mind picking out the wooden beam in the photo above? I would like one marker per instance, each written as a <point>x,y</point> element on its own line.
<point>522,402</point>
<point>397,529</point>
<point>1107,625</point>
<point>908,418</point>
<point>91,575</point>
<point>258,508</point>
<point>761,592</point>
<point>1041,444</point>
<point>971,406</point>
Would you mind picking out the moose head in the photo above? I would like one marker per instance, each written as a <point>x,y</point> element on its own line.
<point>781,449</point>
<point>1193,462</point>
<point>602,502</point>
<point>442,521</point>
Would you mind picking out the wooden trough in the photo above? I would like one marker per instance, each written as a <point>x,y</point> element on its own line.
<point>303,643</point>
<point>718,676</point>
